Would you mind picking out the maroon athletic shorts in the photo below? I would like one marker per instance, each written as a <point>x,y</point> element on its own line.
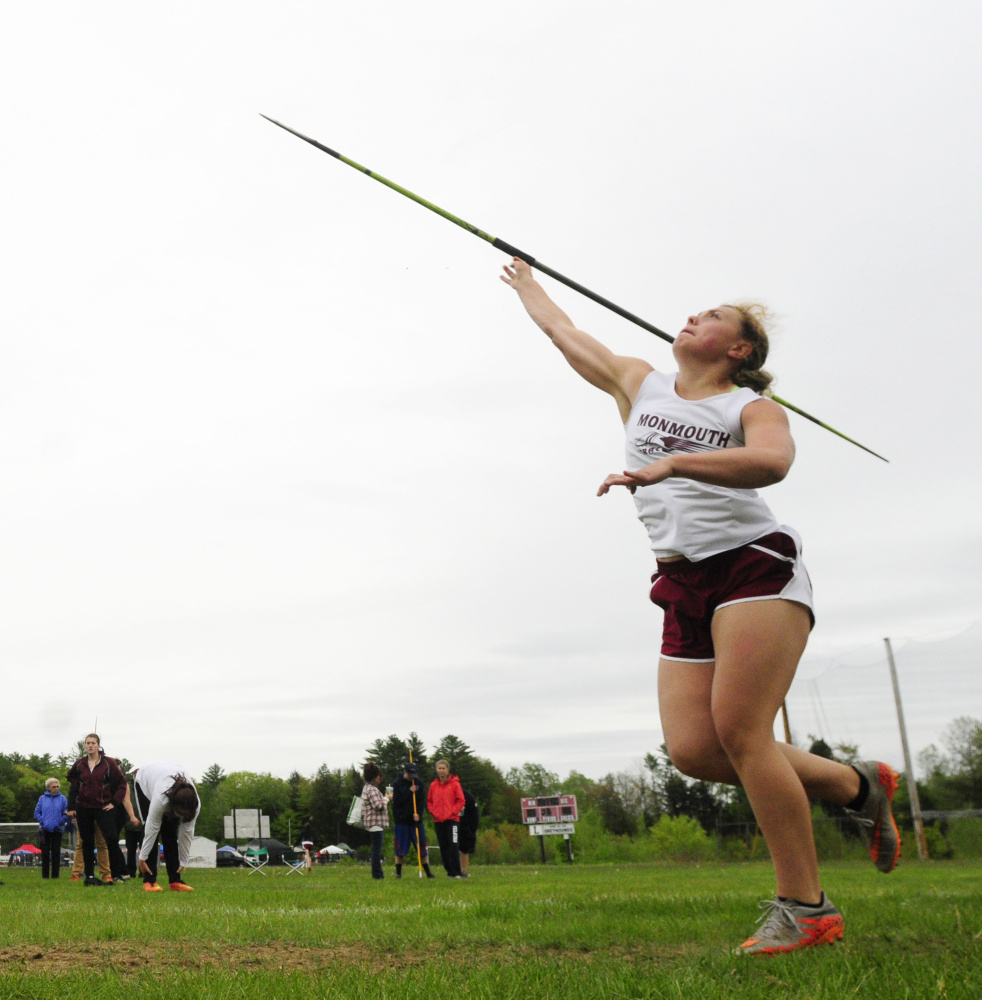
<point>690,592</point>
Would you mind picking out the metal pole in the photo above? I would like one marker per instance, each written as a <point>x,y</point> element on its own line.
<point>915,802</point>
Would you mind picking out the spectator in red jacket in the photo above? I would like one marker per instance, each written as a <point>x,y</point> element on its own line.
<point>444,800</point>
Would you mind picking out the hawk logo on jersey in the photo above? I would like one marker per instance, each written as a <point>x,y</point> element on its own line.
<point>658,445</point>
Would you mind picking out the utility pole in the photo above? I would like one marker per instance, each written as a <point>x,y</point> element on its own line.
<point>915,802</point>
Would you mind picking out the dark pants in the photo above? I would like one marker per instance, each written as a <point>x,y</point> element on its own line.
<point>134,841</point>
<point>88,820</point>
<point>446,836</point>
<point>168,837</point>
<point>50,853</point>
<point>377,837</point>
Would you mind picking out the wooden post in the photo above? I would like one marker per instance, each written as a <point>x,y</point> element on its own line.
<point>787,724</point>
<point>915,802</point>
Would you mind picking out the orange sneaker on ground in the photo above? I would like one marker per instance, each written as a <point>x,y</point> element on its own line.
<point>788,926</point>
<point>151,887</point>
<point>181,887</point>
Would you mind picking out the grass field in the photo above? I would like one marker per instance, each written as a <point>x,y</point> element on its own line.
<point>627,931</point>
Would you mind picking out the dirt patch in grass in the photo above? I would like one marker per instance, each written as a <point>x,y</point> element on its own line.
<point>191,956</point>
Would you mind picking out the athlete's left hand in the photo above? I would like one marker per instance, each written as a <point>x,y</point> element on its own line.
<point>648,476</point>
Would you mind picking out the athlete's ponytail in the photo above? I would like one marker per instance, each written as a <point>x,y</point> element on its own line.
<point>750,371</point>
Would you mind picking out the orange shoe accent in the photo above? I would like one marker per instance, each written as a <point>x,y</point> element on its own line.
<point>181,887</point>
<point>151,887</point>
<point>823,930</point>
<point>889,781</point>
<point>787,926</point>
<point>75,878</point>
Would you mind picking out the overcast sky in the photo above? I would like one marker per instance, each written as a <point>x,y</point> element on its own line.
<point>285,468</point>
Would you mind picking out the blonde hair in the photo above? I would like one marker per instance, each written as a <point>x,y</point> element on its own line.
<point>750,373</point>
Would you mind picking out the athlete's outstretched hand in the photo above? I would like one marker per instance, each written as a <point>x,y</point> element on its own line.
<point>647,476</point>
<point>516,273</point>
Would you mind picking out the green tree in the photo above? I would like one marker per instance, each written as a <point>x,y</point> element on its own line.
<point>331,791</point>
<point>608,802</point>
<point>533,779</point>
<point>8,805</point>
<point>246,790</point>
<point>213,776</point>
<point>415,744</point>
<point>391,754</point>
<point>953,780</point>
<point>455,751</point>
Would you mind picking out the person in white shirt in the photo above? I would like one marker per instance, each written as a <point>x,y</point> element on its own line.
<point>168,804</point>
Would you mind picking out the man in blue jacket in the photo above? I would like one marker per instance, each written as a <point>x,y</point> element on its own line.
<point>51,814</point>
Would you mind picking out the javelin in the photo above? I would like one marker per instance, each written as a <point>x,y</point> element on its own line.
<point>507,248</point>
<point>419,853</point>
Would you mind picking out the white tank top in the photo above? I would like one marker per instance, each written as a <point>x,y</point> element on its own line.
<point>684,517</point>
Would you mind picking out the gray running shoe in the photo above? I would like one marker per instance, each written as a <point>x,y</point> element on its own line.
<point>875,819</point>
<point>787,926</point>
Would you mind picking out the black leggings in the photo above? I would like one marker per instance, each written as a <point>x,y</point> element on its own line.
<point>88,820</point>
<point>446,835</point>
<point>168,836</point>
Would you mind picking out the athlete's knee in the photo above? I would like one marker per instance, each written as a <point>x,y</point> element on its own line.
<point>696,758</point>
<point>737,737</point>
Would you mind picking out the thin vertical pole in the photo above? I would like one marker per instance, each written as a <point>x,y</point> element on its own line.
<point>787,724</point>
<point>915,802</point>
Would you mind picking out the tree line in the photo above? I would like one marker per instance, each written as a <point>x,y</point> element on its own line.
<point>623,804</point>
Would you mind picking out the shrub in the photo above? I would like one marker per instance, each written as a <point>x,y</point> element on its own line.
<point>938,847</point>
<point>965,837</point>
<point>680,838</point>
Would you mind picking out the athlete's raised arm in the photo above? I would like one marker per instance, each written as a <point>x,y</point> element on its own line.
<point>619,376</point>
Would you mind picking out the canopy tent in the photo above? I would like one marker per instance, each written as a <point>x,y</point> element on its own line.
<point>203,853</point>
<point>336,851</point>
<point>26,849</point>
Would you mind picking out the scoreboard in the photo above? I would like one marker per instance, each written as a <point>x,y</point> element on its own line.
<point>549,809</point>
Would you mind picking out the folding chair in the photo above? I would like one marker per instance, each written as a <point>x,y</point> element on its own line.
<point>295,862</point>
<point>257,860</point>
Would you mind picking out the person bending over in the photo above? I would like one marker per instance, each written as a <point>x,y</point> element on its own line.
<point>168,806</point>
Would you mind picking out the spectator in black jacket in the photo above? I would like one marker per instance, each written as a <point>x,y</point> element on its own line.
<point>407,803</point>
<point>469,819</point>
